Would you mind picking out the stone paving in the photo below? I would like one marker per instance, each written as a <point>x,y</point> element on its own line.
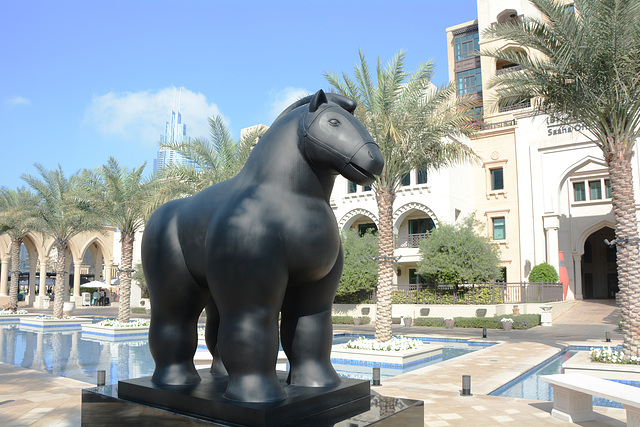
<point>29,397</point>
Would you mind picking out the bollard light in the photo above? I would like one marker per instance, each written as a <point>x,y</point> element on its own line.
<point>376,377</point>
<point>101,378</point>
<point>607,336</point>
<point>484,332</point>
<point>466,386</point>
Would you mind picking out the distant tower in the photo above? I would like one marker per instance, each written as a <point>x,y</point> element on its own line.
<point>174,132</point>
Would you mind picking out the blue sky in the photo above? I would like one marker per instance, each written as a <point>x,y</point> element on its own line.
<point>84,80</point>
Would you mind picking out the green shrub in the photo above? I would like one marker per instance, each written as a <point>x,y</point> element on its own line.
<point>429,321</point>
<point>524,321</point>
<point>543,273</point>
<point>138,310</point>
<point>348,320</point>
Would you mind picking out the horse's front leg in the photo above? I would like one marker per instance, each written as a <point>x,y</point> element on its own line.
<point>306,330</point>
<point>249,304</point>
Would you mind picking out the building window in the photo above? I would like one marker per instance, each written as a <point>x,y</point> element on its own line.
<point>595,190</point>
<point>421,175</point>
<point>466,45</point>
<point>591,189</point>
<point>352,187</point>
<point>421,226</point>
<point>579,194</point>
<point>366,188</point>
<point>469,81</point>
<point>499,232</point>
<point>406,180</point>
<point>414,277</point>
<point>497,182</point>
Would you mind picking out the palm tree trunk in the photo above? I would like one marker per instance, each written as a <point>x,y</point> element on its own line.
<point>15,272</point>
<point>60,281</point>
<point>624,211</point>
<point>384,199</point>
<point>124,310</point>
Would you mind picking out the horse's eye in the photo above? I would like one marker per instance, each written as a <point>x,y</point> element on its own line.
<point>334,122</point>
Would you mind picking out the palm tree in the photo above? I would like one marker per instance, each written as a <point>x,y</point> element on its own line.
<point>585,69</point>
<point>16,213</point>
<point>208,162</point>
<point>415,125</point>
<point>61,215</point>
<point>124,200</point>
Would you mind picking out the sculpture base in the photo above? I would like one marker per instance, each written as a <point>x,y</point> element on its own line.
<point>140,402</point>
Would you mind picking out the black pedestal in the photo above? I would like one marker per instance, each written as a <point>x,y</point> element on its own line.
<point>139,402</point>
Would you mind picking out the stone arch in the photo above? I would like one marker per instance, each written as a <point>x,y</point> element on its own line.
<point>507,15</point>
<point>404,210</point>
<point>351,216</point>
<point>578,245</point>
<point>99,242</point>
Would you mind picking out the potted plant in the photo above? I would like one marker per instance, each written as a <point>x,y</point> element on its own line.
<point>408,321</point>
<point>448,321</point>
<point>357,320</point>
<point>507,323</point>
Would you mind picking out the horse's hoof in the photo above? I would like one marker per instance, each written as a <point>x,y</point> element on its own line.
<point>175,375</point>
<point>255,389</point>
<point>314,375</point>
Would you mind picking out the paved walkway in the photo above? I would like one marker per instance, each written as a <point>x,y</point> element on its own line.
<point>30,397</point>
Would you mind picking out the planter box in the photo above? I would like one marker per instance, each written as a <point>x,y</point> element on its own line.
<point>15,318</point>
<point>580,363</point>
<point>113,333</point>
<point>48,324</point>
<point>360,363</point>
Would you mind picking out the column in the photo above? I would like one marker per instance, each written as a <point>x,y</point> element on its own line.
<point>43,276</point>
<point>76,283</point>
<point>4,277</point>
<point>32,283</point>
<point>551,224</point>
<point>107,279</point>
<point>577,272</point>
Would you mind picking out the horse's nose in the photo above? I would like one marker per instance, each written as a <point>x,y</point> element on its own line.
<point>369,158</point>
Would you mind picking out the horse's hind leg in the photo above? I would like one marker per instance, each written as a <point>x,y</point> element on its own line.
<point>306,331</point>
<point>211,337</point>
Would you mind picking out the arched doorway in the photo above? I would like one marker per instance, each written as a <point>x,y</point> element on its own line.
<point>599,268</point>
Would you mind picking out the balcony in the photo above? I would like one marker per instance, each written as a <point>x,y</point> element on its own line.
<point>498,125</point>
<point>509,70</point>
<point>410,241</point>
<point>519,106</point>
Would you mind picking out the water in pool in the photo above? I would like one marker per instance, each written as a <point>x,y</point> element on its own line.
<point>530,386</point>
<point>69,354</point>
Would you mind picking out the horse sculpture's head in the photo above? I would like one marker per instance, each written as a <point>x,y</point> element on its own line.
<point>335,142</point>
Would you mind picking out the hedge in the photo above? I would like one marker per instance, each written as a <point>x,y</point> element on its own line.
<point>348,320</point>
<point>524,321</point>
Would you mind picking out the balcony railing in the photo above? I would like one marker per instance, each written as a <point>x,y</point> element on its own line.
<point>486,293</point>
<point>519,106</point>
<point>509,70</point>
<point>410,240</point>
<point>504,124</point>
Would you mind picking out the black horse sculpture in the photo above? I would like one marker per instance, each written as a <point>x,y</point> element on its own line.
<point>261,244</point>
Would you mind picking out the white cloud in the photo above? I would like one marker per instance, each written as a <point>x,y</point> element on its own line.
<point>141,116</point>
<point>282,99</point>
<point>18,100</point>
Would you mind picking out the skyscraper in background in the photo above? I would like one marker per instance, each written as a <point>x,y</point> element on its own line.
<point>175,132</point>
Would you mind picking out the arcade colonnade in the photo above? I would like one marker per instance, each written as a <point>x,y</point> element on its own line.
<point>42,263</point>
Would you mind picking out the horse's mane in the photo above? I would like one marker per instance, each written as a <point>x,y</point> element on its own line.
<point>343,101</point>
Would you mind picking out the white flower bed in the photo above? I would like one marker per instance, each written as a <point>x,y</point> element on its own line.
<point>117,324</point>
<point>507,319</point>
<point>43,317</point>
<point>394,344</point>
<point>609,355</point>
<point>11,313</point>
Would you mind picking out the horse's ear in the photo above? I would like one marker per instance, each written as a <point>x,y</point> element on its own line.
<point>318,99</point>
